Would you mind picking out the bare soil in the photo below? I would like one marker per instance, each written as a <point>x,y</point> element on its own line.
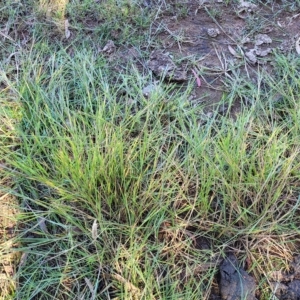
<point>216,41</point>
<point>8,258</point>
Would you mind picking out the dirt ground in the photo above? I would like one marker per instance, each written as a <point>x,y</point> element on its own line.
<point>8,258</point>
<point>217,41</point>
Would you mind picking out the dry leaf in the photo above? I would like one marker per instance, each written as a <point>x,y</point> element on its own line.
<point>42,225</point>
<point>251,55</point>
<point>6,36</point>
<point>263,53</point>
<point>67,31</point>
<point>247,5</point>
<point>198,80</point>
<point>95,230</point>
<point>276,276</point>
<point>233,52</point>
<point>109,47</point>
<point>298,46</point>
<point>261,39</point>
<point>89,284</point>
<point>129,286</point>
<point>23,259</point>
<point>9,270</point>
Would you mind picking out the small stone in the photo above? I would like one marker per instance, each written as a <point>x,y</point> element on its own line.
<point>149,89</point>
<point>262,39</point>
<point>247,6</point>
<point>246,40</point>
<point>109,47</point>
<point>263,53</point>
<point>278,289</point>
<point>251,55</point>
<point>286,291</point>
<point>162,65</point>
<point>213,32</point>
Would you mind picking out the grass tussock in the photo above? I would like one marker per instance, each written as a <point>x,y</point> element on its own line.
<point>134,198</point>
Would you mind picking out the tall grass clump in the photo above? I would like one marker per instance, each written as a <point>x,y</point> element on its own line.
<point>129,197</point>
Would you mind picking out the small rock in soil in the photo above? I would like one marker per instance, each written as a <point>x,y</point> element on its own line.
<point>247,6</point>
<point>109,47</point>
<point>287,286</point>
<point>235,282</point>
<point>279,276</point>
<point>263,53</point>
<point>262,39</point>
<point>213,32</point>
<point>251,55</point>
<point>163,66</point>
<point>296,266</point>
<point>293,292</point>
<point>278,289</point>
<point>289,291</point>
<point>150,89</point>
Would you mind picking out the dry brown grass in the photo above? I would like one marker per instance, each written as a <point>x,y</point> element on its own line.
<point>8,225</point>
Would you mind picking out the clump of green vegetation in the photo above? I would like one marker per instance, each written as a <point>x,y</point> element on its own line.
<point>127,21</point>
<point>115,192</point>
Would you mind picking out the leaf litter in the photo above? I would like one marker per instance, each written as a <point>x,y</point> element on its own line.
<point>242,47</point>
